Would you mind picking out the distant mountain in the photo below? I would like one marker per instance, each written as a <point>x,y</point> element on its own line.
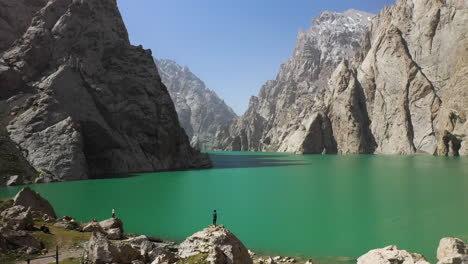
<point>403,89</point>
<point>288,114</point>
<point>200,110</point>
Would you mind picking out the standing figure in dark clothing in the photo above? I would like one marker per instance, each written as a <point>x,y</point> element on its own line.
<point>215,217</point>
<point>113,213</point>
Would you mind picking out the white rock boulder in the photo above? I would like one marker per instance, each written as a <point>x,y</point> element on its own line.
<point>391,255</point>
<point>452,251</point>
<point>220,244</point>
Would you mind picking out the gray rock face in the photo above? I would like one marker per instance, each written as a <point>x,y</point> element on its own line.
<point>17,218</point>
<point>405,91</point>
<point>31,199</point>
<point>200,110</point>
<point>451,251</point>
<point>100,250</point>
<point>15,18</point>
<point>18,240</point>
<point>221,246</point>
<point>289,114</point>
<point>113,227</point>
<point>412,64</point>
<point>390,255</point>
<point>85,101</point>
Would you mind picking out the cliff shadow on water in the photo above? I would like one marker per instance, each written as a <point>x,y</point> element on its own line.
<point>232,161</point>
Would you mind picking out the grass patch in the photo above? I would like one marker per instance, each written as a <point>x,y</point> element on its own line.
<point>9,258</point>
<point>60,236</point>
<point>68,261</point>
<point>196,259</point>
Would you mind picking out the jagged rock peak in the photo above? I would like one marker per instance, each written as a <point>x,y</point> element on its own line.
<point>289,110</point>
<point>200,109</point>
<point>349,19</point>
<point>405,92</point>
<point>83,101</point>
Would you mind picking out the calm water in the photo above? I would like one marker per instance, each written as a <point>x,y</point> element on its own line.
<point>308,205</point>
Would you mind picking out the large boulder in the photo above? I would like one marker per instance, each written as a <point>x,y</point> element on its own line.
<point>29,198</point>
<point>452,251</point>
<point>17,218</point>
<point>100,250</point>
<point>20,241</point>
<point>220,244</point>
<point>113,227</point>
<point>391,255</point>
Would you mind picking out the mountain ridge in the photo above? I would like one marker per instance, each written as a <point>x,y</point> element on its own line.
<point>200,109</point>
<point>397,87</point>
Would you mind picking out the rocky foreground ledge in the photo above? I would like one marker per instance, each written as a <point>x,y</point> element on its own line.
<point>29,228</point>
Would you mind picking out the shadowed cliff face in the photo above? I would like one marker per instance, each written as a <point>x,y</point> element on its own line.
<point>84,101</point>
<point>403,92</point>
<point>200,110</point>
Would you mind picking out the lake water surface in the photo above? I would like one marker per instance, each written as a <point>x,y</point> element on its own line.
<point>303,205</point>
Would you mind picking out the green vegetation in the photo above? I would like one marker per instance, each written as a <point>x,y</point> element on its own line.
<point>68,261</point>
<point>9,258</point>
<point>197,259</point>
<point>62,237</point>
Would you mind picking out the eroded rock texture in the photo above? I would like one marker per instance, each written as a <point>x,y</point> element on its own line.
<point>403,92</point>
<point>391,254</point>
<point>289,113</point>
<point>218,243</point>
<point>200,110</point>
<point>82,101</point>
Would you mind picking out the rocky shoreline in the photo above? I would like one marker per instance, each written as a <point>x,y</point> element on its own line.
<point>29,227</point>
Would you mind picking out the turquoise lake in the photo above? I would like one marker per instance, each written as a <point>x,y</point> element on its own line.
<point>285,204</point>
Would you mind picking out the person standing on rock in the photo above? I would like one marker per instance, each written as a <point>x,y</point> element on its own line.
<point>113,213</point>
<point>215,217</point>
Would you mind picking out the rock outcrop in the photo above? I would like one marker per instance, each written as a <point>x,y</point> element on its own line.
<point>218,243</point>
<point>113,227</point>
<point>103,249</point>
<point>17,218</point>
<point>15,18</point>
<point>416,53</point>
<point>200,110</point>
<point>391,255</point>
<point>100,250</point>
<point>19,241</point>
<point>452,251</point>
<point>405,90</point>
<point>82,101</point>
<point>289,114</point>
<point>32,200</point>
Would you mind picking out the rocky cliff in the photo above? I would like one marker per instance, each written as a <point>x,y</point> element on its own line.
<point>403,92</point>
<point>78,100</point>
<point>200,109</point>
<point>289,114</point>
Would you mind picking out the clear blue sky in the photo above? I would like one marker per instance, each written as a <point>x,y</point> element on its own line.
<point>234,46</point>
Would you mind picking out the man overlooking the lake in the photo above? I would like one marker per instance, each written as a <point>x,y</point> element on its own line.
<point>215,217</point>
<point>113,212</point>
